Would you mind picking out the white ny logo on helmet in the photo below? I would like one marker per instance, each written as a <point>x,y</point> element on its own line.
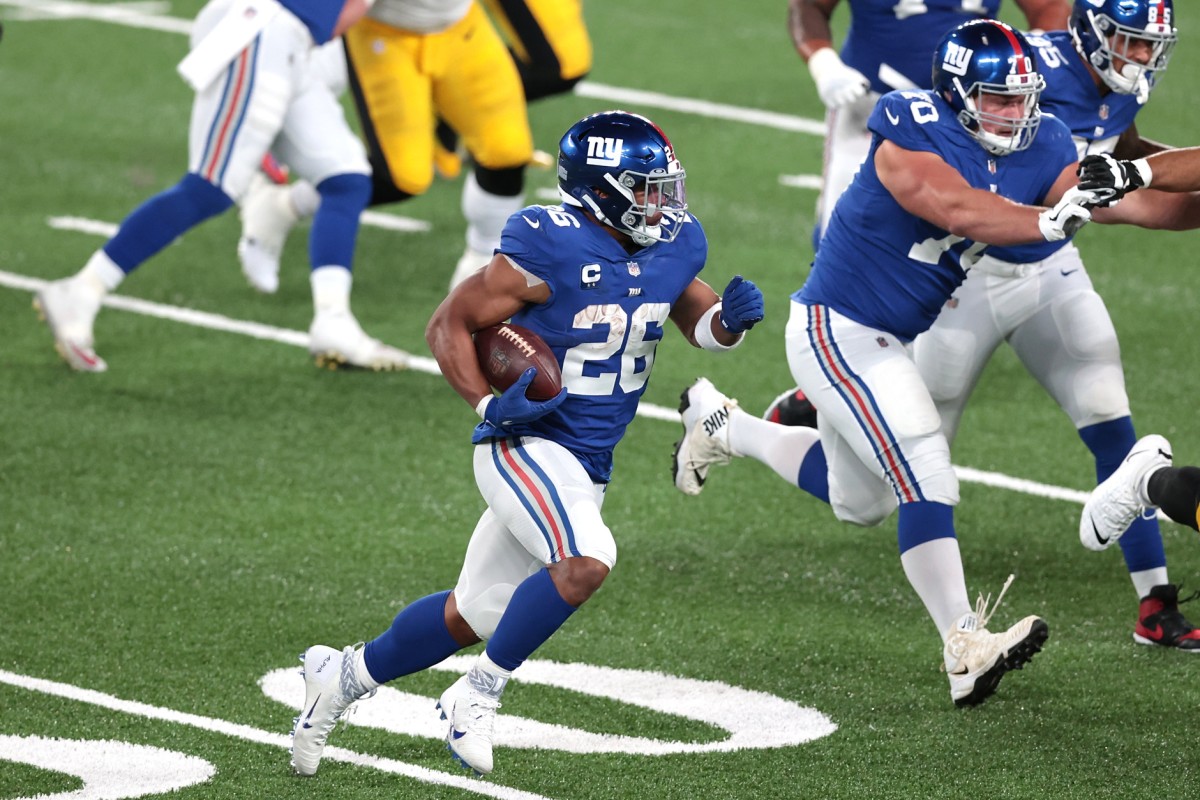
<point>604,151</point>
<point>957,58</point>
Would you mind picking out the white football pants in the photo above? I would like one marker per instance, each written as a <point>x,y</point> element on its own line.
<point>1056,323</point>
<point>879,428</point>
<point>542,507</point>
<point>268,99</point>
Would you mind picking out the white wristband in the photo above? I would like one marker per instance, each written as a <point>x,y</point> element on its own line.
<point>824,61</point>
<point>704,334</point>
<point>1143,168</point>
<point>481,406</point>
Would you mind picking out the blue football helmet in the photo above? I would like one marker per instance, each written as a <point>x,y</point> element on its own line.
<point>1105,30</point>
<point>622,168</point>
<point>985,56</point>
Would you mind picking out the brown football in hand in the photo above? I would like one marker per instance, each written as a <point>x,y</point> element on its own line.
<point>506,350</point>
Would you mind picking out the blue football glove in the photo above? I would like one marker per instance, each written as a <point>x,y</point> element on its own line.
<point>741,305</point>
<point>513,407</point>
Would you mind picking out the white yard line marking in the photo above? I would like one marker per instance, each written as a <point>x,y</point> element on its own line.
<point>252,734</point>
<point>258,330</point>
<point>374,219</point>
<point>801,181</point>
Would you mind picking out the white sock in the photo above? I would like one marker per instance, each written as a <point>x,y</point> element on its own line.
<point>101,274</point>
<point>488,677</point>
<point>780,447</point>
<point>935,571</point>
<point>361,673</point>
<point>486,214</point>
<point>304,198</point>
<point>331,289</point>
<point>1146,579</point>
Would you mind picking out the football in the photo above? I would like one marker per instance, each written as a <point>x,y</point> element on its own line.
<point>506,350</point>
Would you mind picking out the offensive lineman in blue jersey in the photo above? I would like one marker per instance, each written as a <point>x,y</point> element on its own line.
<point>887,47</point>
<point>597,277</point>
<point>1039,298</point>
<point>951,169</point>
<point>253,92</point>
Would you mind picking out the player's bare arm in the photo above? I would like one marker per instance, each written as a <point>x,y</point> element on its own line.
<point>1176,170</point>
<point>808,23</point>
<point>715,323</point>
<point>1150,208</point>
<point>488,297</point>
<point>925,185</point>
<point>696,299</point>
<point>1045,15</point>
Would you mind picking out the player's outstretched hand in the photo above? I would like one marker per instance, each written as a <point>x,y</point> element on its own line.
<point>513,406</point>
<point>741,305</point>
<point>837,84</point>
<point>1068,215</point>
<point>1109,178</point>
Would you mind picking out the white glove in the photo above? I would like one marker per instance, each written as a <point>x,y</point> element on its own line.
<point>1069,214</point>
<point>837,84</point>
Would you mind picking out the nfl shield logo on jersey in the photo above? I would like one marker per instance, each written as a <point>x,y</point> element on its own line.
<point>634,269</point>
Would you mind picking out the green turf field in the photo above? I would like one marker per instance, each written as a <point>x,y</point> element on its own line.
<point>175,531</point>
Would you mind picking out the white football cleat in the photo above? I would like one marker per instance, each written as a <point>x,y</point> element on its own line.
<point>705,435</point>
<point>470,262</point>
<point>335,339</point>
<point>976,659</point>
<point>70,309</point>
<point>330,687</point>
<point>267,218</point>
<point>472,716</point>
<point>1121,497</point>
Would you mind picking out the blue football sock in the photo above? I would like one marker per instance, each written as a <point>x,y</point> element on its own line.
<point>534,613</point>
<point>417,640</point>
<point>1110,442</point>
<point>164,218</point>
<point>814,473</point>
<point>335,224</point>
<point>924,521</point>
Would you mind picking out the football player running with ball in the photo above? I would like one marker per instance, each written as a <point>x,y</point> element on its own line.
<point>952,171</point>
<point>597,277</point>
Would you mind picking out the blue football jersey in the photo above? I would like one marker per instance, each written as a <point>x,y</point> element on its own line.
<point>1096,121</point>
<point>903,35</point>
<point>319,16</point>
<point>889,269</point>
<point>604,319</point>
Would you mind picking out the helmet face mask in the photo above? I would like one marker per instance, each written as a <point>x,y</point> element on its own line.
<point>987,73</point>
<point>1127,42</point>
<point>622,168</point>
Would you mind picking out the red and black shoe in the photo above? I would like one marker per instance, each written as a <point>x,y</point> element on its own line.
<point>792,408</point>
<point>1161,623</point>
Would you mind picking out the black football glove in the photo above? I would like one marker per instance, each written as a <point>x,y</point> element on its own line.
<point>1108,178</point>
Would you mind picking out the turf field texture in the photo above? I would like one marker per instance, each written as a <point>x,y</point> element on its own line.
<point>175,531</point>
